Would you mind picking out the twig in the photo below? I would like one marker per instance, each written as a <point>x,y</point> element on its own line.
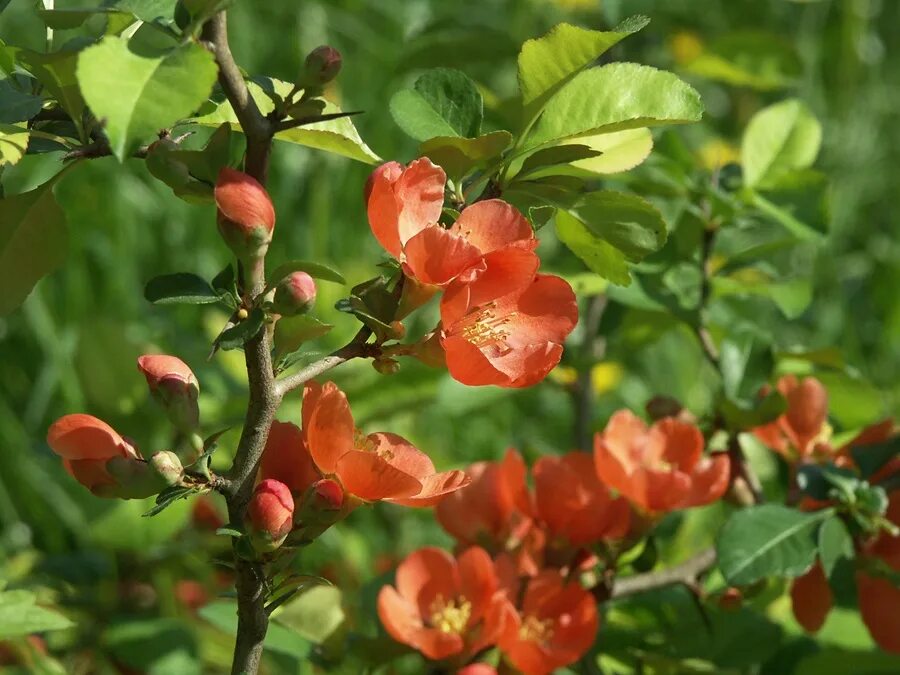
<point>351,350</point>
<point>687,573</point>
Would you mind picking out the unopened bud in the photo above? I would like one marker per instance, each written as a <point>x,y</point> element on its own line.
<point>246,215</point>
<point>242,314</point>
<point>659,407</point>
<point>295,294</point>
<point>168,466</point>
<point>386,366</point>
<point>322,65</point>
<point>270,515</point>
<point>328,495</point>
<point>133,478</point>
<point>174,387</point>
<point>731,599</point>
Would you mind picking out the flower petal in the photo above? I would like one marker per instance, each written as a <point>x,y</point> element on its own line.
<point>709,480</point>
<point>436,256</point>
<point>492,224</point>
<point>382,207</point>
<point>878,603</point>
<point>675,442</point>
<point>81,436</point>
<point>434,488</point>
<point>371,478</point>
<point>478,580</point>
<point>330,432</point>
<point>287,459</point>
<point>421,568</point>
<point>811,599</point>
<point>420,194</point>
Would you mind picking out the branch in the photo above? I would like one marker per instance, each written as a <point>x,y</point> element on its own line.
<point>687,573</point>
<point>355,348</point>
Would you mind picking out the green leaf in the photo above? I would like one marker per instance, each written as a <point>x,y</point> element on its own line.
<point>826,481</point>
<point>608,229</point>
<point>292,331</point>
<point>237,335</point>
<point>767,540</point>
<point>19,615</point>
<point>13,144</point>
<point>314,614</point>
<point>458,156</point>
<point>442,102</point>
<point>138,95</point>
<point>613,153</point>
<point>153,646</point>
<point>871,457</point>
<point>547,63</point>
<point>180,287</point>
<point>835,543</point>
<point>17,105</point>
<point>752,59</point>
<point>746,362</point>
<point>600,256</point>
<point>33,240</point>
<point>555,155</point>
<point>752,413</point>
<point>779,139</point>
<point>223,615</point>
<point>168,497</point>
<point>313,269</point>
<point>615,97</point>
<point>67,19</point>
<point>56,71</point>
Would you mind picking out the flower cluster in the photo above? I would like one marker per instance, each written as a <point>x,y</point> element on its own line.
<point>502,322</point>
<point>803,436</point>
<point>107,464</point>
<point>523,545</point>
<point>313,475</point>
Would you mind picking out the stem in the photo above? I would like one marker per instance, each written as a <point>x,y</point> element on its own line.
<point>686,573</point>
<point>592,348</point>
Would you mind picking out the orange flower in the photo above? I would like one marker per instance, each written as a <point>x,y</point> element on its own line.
<point>797,433</point>
<point>572,502</point>
<point>659,469</point>
<point>878,603</point>
<point>380,466</point>
<point>174,386</point>
<point>404,206</point>
<point>495,334</point>
<point>487,511</point>
<point>556,625</point>
<point>400,202</point>
<point>811,599</point>
<point>85,445</point>
<point>287,459</point>
<point>440,603</point>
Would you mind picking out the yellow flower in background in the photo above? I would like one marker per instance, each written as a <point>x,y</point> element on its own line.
<point>717,152</point>
<point>685,46</point>
<point>606,376</point>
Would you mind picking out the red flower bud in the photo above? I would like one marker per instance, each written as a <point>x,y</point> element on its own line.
<point>295,294</point>
<point>329,495</point>
<point>731,599</point>
<point>270,514</point>
<point>246,215</point>
<point>174,386</point>
<point>322,65</point>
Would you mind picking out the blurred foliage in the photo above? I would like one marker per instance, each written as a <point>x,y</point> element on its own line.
<point>130,582</point>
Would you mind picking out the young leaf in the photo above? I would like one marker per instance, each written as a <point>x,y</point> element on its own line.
<point>779,139</point>
<point>292,331</point>
<point>33,240</point>
<point>56,71</point>
<point>458,156</point>
<point>139,95</point>
<point>313,269</point>
<point>746,362</point>
<point>612,153</point>
<point>834,544</point>
<point>17,105</point>
<point>180,287</point>
<point>314,615</point>
<point>19,615</point>
<point>235,336</point>
<point>615,97</point>
<point>13,144</point>
<point>442,102</point>
<point>555,155</point>
<point>168,497</point>
<point>767,540</point>
<point>547,63</point>
<point>606,229</point>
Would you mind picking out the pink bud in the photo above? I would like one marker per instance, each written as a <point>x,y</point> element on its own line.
<point>295,294</point>
<point>322,65</point>
<point>270,514</point>
<point>246,215</point>
<point>329,494</point>
<point>174,386</point>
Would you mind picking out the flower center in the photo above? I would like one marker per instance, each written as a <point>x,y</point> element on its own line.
<point>450,617</point>
<point>534,629</point>
<point>483,327</point>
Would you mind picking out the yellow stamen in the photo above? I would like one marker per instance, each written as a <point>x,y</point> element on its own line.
<point>452,616</point>
<point>534,629</point>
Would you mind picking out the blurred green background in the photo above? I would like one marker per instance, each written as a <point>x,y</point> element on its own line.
<point>72,346</point>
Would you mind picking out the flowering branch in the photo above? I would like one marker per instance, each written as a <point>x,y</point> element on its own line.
<point>686,573</point>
